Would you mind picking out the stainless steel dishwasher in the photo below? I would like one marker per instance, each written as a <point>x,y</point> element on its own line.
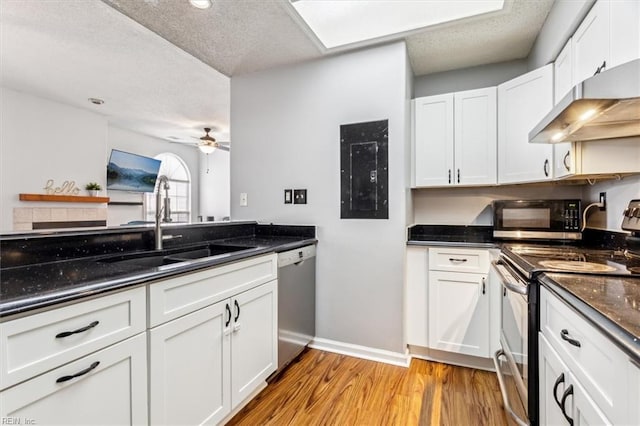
<point>296,302</point>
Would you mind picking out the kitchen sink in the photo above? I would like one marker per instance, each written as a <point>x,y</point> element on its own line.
<point>160,259</point>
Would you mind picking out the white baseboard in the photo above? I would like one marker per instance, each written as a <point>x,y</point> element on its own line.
<point>364,352</point>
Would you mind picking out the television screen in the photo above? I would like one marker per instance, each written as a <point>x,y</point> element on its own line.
<point>132,172</point>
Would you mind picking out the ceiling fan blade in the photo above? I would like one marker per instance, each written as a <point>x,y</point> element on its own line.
<point>223,148</point>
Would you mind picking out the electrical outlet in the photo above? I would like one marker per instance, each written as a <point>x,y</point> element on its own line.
<point>243,199</point>
<point>603,200</point>
<point>299,196</point>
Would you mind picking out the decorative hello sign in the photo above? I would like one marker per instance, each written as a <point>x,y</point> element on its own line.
<point>68,187</point>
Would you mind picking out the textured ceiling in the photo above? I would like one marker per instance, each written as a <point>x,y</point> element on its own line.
<point>162,66</point>
<point>242,36</point>
<point>68,51</point>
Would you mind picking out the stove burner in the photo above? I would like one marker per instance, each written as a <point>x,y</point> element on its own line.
<point>576,266</point>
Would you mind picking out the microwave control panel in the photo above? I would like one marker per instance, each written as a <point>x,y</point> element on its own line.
<point>572,216</point>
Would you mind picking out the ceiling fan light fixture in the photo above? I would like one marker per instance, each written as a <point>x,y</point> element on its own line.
<point>206,149</point>
<point>201,4</point>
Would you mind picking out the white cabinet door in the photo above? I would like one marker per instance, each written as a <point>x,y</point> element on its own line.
<point>190,362</point>
<point>563,72</point>
<point>475,137</point>
<point>625,31</point>
<point>108,387</point>
<point>459,313</point>
<point>633,378</point>
<point>522,103</point>
<point>254,339</point>
<point>416,296</point>
<point>554,376</point>
<point>591,42</point>
<point>433,140</point>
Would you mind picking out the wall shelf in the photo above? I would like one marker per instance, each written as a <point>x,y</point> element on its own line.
<point>63,198</point>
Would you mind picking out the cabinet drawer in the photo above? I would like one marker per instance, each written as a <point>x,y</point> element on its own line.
<point>597,363</point>
<point>41,342</point>
<point>111,391</point>
<point>173,298</point>
<point>459,260</point>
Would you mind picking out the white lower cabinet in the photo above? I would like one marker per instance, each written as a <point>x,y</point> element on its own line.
<point>206,363</point>
<point>563,400</point>
<point>459,313</point>
<point>107,387</point>
<point>189,372</point>
<point>449,302</point>
<point>583,375</point>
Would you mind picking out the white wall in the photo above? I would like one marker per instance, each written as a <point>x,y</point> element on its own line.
<point>472,206</point>
<point>126,140</point>
<point>619,193</point>
<point>41,139</point>
<point>215,184</point>
<point>286,134</point>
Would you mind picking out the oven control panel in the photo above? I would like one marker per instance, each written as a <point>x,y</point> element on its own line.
<point>631,217</point>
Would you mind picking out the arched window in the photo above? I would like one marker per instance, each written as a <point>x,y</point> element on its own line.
<point>175,169</point>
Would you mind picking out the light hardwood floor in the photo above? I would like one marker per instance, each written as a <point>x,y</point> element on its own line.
<point>329,389</point>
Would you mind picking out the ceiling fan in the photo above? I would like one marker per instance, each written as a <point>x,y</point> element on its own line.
<point>208,144</point>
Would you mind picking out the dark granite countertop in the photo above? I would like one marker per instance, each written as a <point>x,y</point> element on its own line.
<point>451,236</point>
<point>37,286</point>
<point>611,304</point>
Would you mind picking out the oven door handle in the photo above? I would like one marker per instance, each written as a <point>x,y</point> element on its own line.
<point>507,281</point>
<point>503,390</point>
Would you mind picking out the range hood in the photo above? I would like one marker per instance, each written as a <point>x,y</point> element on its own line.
<point>604,106</point>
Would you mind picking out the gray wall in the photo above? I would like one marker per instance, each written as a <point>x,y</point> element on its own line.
<point>618,195</point>
<point>286,134</point>
<point>468,78</point>
<point>563,19</point>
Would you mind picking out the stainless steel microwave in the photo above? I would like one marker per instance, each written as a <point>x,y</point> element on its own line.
<point>537,219</point>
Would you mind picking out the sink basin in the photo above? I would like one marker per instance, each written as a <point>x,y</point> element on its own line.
<point>144,261</point>
<point>161,259</point>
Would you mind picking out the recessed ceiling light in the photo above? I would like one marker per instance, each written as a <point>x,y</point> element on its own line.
<point>340,22</point>
<point>201,4</point>
<point>96,101</point>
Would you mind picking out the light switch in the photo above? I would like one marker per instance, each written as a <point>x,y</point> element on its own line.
<point>288,196</point>
<point>243,199</point>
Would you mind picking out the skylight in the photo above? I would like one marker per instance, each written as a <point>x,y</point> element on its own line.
<point>340,22</point>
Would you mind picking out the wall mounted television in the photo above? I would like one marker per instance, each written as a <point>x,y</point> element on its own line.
<point>131,172</point>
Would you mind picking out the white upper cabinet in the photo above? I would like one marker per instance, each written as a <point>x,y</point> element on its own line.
<point>455,139</point>
<point>591,42</point>
<point>624,17</point>
<point>564,162</point>
<point>433,140</point>
<point>475,137</point>
<point>522,103</point>
<point>609,34</point>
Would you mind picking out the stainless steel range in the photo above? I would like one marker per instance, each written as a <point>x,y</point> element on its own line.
<point>517,270</point>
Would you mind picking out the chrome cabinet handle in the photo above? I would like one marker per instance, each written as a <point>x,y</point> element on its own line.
<point>564,161</point>
<point>81,373</point>
<point>559,380</point>
<point>546,168</point>
<point>564,334</point>
<point>565,395</point>
<point>80,330</point>
<point>600,68</point>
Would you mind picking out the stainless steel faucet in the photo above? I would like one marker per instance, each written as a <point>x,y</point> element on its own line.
<point>163,183</point>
